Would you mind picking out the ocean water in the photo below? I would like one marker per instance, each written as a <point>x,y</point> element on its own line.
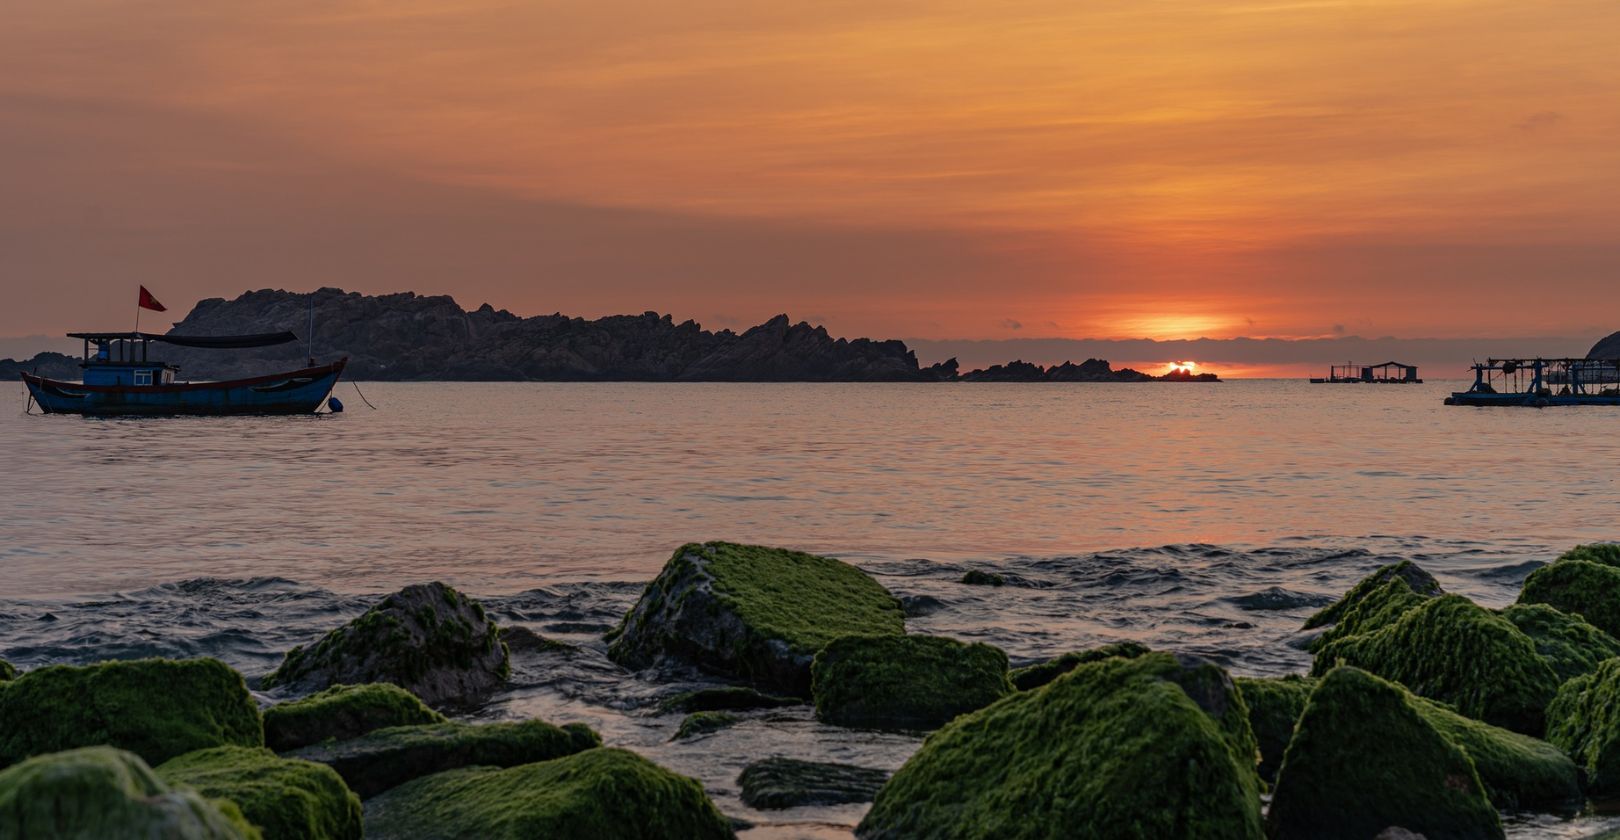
<point>1202,518</point>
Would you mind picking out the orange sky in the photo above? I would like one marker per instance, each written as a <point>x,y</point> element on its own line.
<point>944,169</point>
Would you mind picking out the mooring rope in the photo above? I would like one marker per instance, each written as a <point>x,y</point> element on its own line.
<point>362,395</point>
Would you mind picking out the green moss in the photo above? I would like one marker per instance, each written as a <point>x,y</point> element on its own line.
<point>1275,704</point>
<point>8,671</point>
<point>1368,592</point>
<point>1584,721</point>
<point>342,712</point>
<point>1569,644</point>
<point>1452,650</point>
<point>155,708</point>
<point>723,698</point>
<point>778,782</point>
<point>379,760</point>
<point>96,793</point>
<point>702,723</point>
<point>975,577</point>
<point>1606,554</point>
<point>1518,772</point>
<point>803,599</point>
<point>595,794</point>
<point>905,682</point>
<point>1363,758</point>
<point>286,798</point>
<point>1118,748</point>
<point>1582,587</point>
<point>1039,674</point>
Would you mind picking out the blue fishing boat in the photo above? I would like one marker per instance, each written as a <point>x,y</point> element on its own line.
<point>1541,383</point>
<point>121,379</point>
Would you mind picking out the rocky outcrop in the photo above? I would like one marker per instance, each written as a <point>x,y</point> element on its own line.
<point>905,682</point>
<point>105,792</point>
<point>428,639</point>
<point>751,613</point>
<point>1091,370</point>
<point>779,782</point>
<point>595,794</point>
<point>286,799</point>
<point>1584,721</point>
<point>1584,581</point>
<point>1570,645</point>
<point>1607,347</point>
<point>48,365</point>
<point>155,708</point>
<point>343,712</point>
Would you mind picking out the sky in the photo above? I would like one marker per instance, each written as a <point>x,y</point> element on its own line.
<point>935,170</point>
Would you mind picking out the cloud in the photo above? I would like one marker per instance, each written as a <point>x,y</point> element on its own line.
<point>1011,324</point>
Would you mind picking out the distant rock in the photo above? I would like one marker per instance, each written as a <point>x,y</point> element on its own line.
<point>1606,348</point>
<point>1091,370</point>
<point>48,365</point>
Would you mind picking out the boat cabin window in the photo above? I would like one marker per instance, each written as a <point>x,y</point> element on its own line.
<point>143,377</point>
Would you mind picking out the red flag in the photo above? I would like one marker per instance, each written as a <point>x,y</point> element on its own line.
<point>149,302</point>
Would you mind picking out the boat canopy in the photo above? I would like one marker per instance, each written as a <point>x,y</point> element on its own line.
<point>215,342</point>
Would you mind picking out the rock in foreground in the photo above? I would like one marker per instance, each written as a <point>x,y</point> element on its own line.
<point>1519,773</point>
<point>380,760</point>
<point>1363,760</point>
<point>905,682</point>
<point>1154,746</point>
<point>1275,704</point>
<point>1584,721</point>
<point>287,799</point>
<point>752,613</point>
<point>343,712</point>
<point>1375,601</point>
<point>100,792</point>
<point>600,793</point>
<point>1578,586</point>
<point>428,639</point>
<point>780,782</point>
<point>1569,644</point>
<point>155,708</point>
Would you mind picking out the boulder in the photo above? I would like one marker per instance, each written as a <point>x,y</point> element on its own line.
<point>702,723</point>
<point>1041,673</point>
<point>1378,599</point>
<point>1452,650</point>
<point>905,682</point>
<point>427,638</point>
<point>779,782</point>
<point>595,794</point>
<point>343,712</point>
<point>1584,721</point>
<point>379,760</point>
<point>1606,554</point>
<point>1578,586</point>
<point>287,799</point>
<point>976,577</point>
<point>96,793</point>
<point>155,708</point>
<point>1519,773</point>
<point>752,613</point>
<point>725,698</point>
<point>8,671</point>
<point>1569,644</point>
<point>1155,746</point>
<point>1275,704</point>
<point>1363,759</point>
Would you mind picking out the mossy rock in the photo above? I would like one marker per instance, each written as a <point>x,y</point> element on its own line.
<point>702,723</point>
<point>1375,601</point>
<point>287,799</point>
<point>752,613</point>
<point>1455,651</point>
<point>1275,704</point>
<point>429,639</point>
<point>595,794</point>
<point>976,577</point>
<point>343,712</point>
<point>1584,721</point>
<point>1569,644</point>
<point>1155,746</point>
<point>1580,587</point>
<point>779,782</point>
<point>1364,759</point>
<point>155,708</point>
<point>97,793</point>
<point>379,760</point>
<point>8,671</point>
<point>1519,773</point>
<point>1041,673</point>
<point>725,698</point>
<point>905,682</point>
<point>1607,554</point>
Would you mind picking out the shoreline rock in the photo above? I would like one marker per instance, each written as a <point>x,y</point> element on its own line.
<point>905,682</point>
<point>342,712</point>
<point>286,799</point>
<point>107,792</point>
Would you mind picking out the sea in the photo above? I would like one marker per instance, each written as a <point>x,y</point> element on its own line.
<point>1196,517</point>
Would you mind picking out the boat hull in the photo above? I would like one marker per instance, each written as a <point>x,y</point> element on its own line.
<point>1528,400</point>
<point>293,392</point>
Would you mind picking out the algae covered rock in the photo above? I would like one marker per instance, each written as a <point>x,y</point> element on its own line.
<point>1582,587</point>
<point>753,613</point>
<point>1519,773</point>
<point>1363,759</point>
<point>95,793</point>
<point>702,723</point>
<point>1041,673</point>
<point>725,698</point>
<point>905,682</point>
<point>428,638</point>
<point>1569,644</point>
<point>1584,721</point>
<point>977,577</point>
<point>343,712</point>
<point>595,794</point>
<point>1153,746</point>
<point>1375,601</point>
<point>155,708</point>
<point>287,799</point>
<point>779,782</point>
<point>1607,554</point>
<point>382,759</point>
<point>1275,704</point>
<point>1452,650</point>
<point>8,671</point>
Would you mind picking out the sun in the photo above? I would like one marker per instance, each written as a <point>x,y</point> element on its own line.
<point>1182,367</point>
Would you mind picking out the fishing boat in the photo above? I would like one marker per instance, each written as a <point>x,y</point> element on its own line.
<point>121,379</point>
<point>1539,383</point>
